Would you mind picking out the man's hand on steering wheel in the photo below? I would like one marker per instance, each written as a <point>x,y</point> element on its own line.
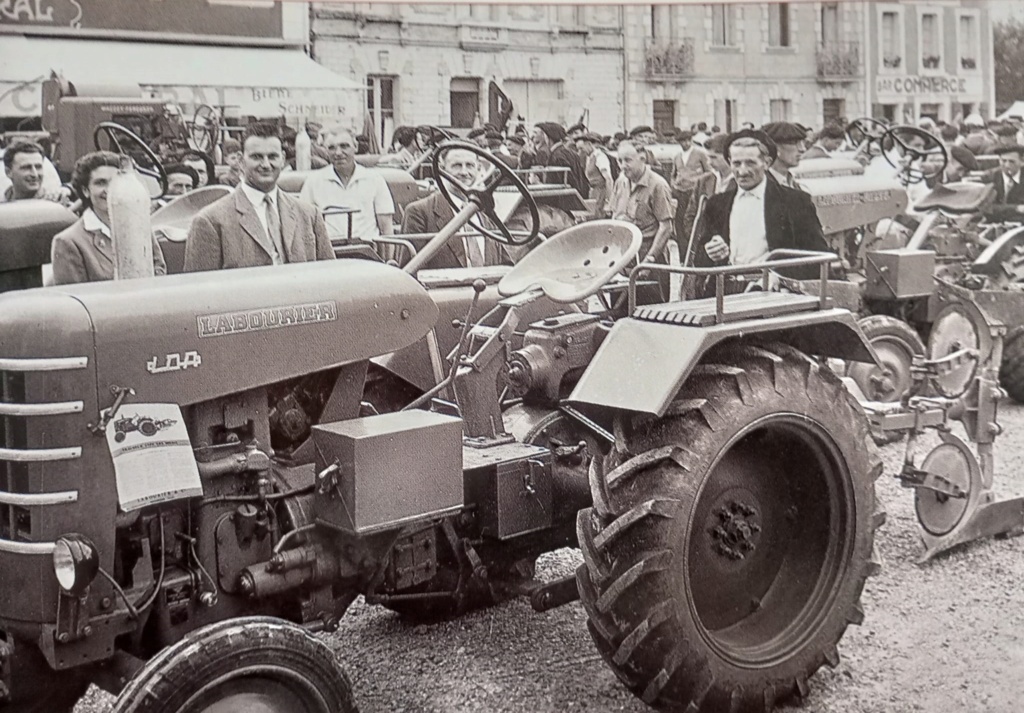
<point>483,196</point>
<point>124,141</point>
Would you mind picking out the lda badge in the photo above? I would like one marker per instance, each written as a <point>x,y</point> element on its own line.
<point>174,362</point>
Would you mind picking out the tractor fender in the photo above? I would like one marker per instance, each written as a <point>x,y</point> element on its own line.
<point>642,365</point>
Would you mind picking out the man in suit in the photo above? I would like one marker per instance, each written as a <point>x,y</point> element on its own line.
<point>431,214</point>
<point>789,147</point>
<point>1009,203</point>
<point>550,138</point>
<point>830,138</point>
<point>686,168</point>
<point>756,215</point>
<point>257,223</point>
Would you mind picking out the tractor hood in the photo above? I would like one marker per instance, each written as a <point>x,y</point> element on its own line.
<point>194,337</point>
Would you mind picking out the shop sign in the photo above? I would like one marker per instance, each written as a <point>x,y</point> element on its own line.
<point>931,86</point>
<point>65,13</point>
<point>323,105</point>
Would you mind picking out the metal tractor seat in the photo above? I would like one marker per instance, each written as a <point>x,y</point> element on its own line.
<point>575,263</point>
<point>956,198</point>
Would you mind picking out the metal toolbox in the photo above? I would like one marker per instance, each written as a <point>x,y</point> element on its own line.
<point>899,274</point>
<point>510,485</point>
<point>391,469</point>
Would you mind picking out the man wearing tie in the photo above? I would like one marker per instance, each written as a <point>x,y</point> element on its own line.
<point>257,224</point>
<point>756,214</point>
<point>430,214</point>
<point>1009,204</point>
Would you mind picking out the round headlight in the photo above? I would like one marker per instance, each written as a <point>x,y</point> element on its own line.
<point>75,563</point>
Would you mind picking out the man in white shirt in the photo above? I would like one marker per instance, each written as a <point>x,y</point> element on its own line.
<point>346,184</point>
<point>29,174</point>
<point>757,214</point>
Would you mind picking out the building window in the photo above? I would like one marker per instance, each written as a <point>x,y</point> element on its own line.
<point>723,25</point>
<point>725,114</point>
<point>661,22</point>
<point>833,110</point>
<point>780,109</point>
<point>569,15</point>
<point>483,13</point>
<point>931,41</point>
<point>380,105</point>
<point>778,24</point>
<point>968,41</point>
<point>465,102</point>
<point>829,24</point>
<point>929,110</point>
<point>664,116</point>
<point>892,41</point>
<point>886,112</point>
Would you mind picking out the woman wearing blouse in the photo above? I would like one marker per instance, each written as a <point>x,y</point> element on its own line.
<point>84,252</point>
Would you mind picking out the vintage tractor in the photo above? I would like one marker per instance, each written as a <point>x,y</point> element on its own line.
<point>893,282</point>
<point>718,576</point>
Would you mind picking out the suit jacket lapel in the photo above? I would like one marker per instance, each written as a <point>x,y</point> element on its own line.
<point>774,215</point>
<point>286,207</point>
<point>730,197</point>
<point>443,215</point>
<point>250,222</point>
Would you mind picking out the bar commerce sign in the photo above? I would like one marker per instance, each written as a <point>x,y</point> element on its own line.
<point>927,86</point>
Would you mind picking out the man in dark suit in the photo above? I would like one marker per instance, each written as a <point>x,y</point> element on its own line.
<point>430,214</point>
<point>257,224</point>
<point>756,215</point>
<point>1009,203</point>
<point>549,137</point>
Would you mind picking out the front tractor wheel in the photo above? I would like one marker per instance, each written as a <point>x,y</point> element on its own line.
<point>730,540</point>
<point>245,665</point>
<point>896,344</point>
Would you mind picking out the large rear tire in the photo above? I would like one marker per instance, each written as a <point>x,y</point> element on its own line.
<point>729,541</point>
<point>1011,371</point>
<point>241,665</point>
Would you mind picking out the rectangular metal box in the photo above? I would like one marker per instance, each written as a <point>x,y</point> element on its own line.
<point>510,485</point>
<point>899,273</point>
<point>393,469</point>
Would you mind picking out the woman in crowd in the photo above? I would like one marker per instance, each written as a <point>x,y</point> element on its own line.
<point>84,252</point>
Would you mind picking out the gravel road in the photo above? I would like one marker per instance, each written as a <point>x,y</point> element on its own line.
<point>947,637</point>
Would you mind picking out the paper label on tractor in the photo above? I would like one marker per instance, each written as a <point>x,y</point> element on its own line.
<point>153,458</point>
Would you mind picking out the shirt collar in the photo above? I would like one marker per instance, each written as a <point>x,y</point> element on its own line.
<point>645,177</point>
<point>92,223</point>
<point>1015,177</point>
<point>356,174</point>
<point>757,191</point>
<point>255,195</point>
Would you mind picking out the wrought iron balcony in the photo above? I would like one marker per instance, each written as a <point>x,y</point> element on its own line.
<point>839,61</point>
<point>668,59</point>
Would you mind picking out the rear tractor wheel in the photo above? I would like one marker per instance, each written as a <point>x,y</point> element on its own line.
<point>245,665</point>
<point>730,540</point>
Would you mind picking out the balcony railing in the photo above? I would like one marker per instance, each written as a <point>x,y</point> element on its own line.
<point>668,59</point>
<point>839,61</point>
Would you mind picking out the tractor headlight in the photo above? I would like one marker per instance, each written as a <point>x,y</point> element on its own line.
<point>75,562</point>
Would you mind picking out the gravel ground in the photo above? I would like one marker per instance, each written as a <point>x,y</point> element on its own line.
<point>946,637</point>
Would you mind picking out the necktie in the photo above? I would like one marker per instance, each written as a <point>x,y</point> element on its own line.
<point>274,229</point>
<point>474,251</point>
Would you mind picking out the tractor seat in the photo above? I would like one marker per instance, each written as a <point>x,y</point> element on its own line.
<point>956,198</point>
<point>575,263</point>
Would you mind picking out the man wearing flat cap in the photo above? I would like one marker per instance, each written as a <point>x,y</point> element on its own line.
<point>687,167</point>
<point>642,137</point>
<point>790,143</point>
<point>1009,204</point>
<point>597,168</point>
<point>755,214</point>
<point>550,137</point>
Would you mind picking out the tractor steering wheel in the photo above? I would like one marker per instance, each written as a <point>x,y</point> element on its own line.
<point>205,128</point>
<point>914,148</point>
<point>483,197</point>
<point>867,129</point>
<point>131,145</point>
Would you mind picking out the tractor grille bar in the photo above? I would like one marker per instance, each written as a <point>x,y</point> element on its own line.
<point>17,457</point>
<point>54,409</point>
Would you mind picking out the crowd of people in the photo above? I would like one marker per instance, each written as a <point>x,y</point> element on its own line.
<point>723,197</point>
